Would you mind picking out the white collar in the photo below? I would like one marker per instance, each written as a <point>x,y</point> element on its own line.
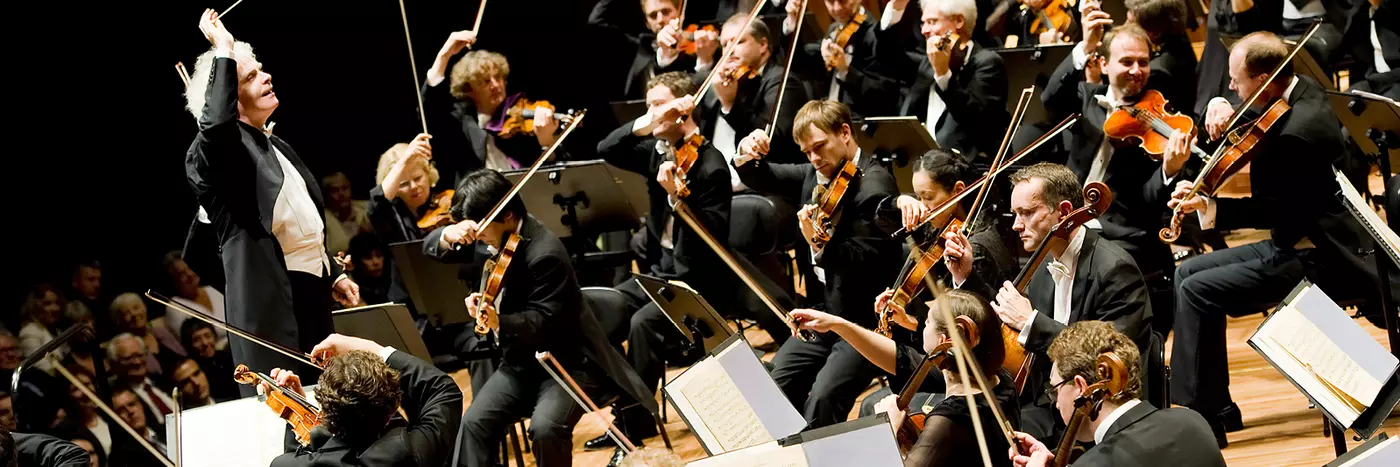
<point>1071,255</point>
<point>1112,417</point>
<point>822,180</point>
<point>1289,91</point>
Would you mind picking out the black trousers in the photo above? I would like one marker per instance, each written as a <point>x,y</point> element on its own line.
<point>1237,281</point>
<point>651,337</point>
<point>311,309</point>
<point>514,392</point>
<point>823,377</point>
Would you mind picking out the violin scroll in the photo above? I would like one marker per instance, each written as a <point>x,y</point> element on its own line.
<point>243,375</point>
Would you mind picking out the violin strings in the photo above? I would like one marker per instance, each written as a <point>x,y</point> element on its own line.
<point>418,88</point>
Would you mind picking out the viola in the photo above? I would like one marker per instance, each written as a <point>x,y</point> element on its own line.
<point>843,36</point>
<point>299,413</point>
<point>439,211</point>
<point>1097,199</point>
<point>912,278</point>
<point>823,217</point>
<point>738,74</point>
<point>495,276</point>
<point>686,155</point>
<point>687,42</point>
<point>520,117</point>
<point>1057,15</point>
<point>1113,379</point>
<point>956,48</point>
<point>1149,122</point>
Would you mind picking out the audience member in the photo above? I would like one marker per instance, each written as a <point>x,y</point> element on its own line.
<point>87,291</point>
<point>193,384</point>
<point>350,216</point>
<point>7,412</point>
<point>370,268</point>
<point>125,450</point>
<point>129,317</point>
<point>85,444</point>
<point>40,314</point>
<point>83,420</point>
<point>198,337</point>
<point>190,292</point>
<point>128,357</point>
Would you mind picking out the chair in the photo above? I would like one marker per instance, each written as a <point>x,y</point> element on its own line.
<point>760,232</point>
<point>613,310</point>
<point>1156,375</point>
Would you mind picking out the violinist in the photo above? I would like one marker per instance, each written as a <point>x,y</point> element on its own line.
<point>1293,193</point>
<point>1173,62</point>
<point>1127,431</point>
<point>959,89</point>
<point>650,146</point>
<point>824,376</point>
<point>472,91</point>
<point>746,94</point>
<point>262,202</point>
<point>1139,184</point>
<point>660,52</point>
<point>540,307</point>
<point>855,63</point>
<point>405,191</point>
<point>1085,279</point>
<point>363,386</point>
<point>1046,22</point>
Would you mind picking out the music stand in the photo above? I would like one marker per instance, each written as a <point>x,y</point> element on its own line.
<point>434,286</point>
<point>687,310</point>
<point>1385,244</point>
<point>627,111</point>
<point>1034,65</point>
<point>387,324</point>
<point>1374,123</point>
<point>896,141</point>
<point>580,199</point>
<point>1303,63</point>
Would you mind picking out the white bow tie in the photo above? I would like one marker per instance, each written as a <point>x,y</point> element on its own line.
<point>1058,270</point>
<point>1105,102</point>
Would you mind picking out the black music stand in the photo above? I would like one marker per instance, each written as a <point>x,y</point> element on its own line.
<point>1303,63</point>
<point>387,324</point>
<point>897,142</point>
<point>1382,245</point>
<point>1374,123</point>
<point>627,111</point>
<point>686,309</point>
<point>1034,66</point>
<point>434,286</point>
<point>581,199</point>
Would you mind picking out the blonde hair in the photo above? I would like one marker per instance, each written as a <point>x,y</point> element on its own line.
<point>200,78</point>
<point>392,156</point>
<point>476,65</point>
<point>827,116</point>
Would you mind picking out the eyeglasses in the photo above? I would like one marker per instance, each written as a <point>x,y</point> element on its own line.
<point>1053,392</point>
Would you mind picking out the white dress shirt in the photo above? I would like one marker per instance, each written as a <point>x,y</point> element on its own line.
<point>495,158</point>
<point>1062,270</point>
<point>297,224</point>
<point>1113,417</point>
<point>727,142</point>
<point>103,432</point>
<point>144,392</point>
<point>1381,65</point>
<point>1311,9</point>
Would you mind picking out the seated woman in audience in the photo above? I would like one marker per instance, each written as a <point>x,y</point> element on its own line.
<point>369,269</point>
<point>190,293</point>
<point>84,352</point>
<point>82,418</point>
<point>40,314</point>
<point>216,362</point>
<point>129,316</point>
<point>346,217</point>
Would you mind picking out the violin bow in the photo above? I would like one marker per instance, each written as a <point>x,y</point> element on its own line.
<point>298,356</point>
<point>184,75</point>
<point>975,212</point>
<point>515,189</point>
<point>408,39</point>
<point>709,79</point>
<point>179,437</point>
<point>480,13</point>
<point>160,456</point>
<point>952,201</point>
<point>787,72</point>
<point>963,354</point>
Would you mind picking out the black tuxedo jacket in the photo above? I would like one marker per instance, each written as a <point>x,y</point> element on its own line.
<point>690,260</point>
<point>1139,192</point>
<point>1149,437</point>
<point>1107,287</point>
<point>47,451</point>
<point>644,67</point>
<point>1294,194</point>
<point>975,101</point>
<point>861,259</point>
<point>753,110</point>
<point>1357,38</point>
<point>234,173</point>
<point>434,407</point>
<point>876,58</point>
<point>542,309</point>
<point>459,143</point>
<point>1173,72</point>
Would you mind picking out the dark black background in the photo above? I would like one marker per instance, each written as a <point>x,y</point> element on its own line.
<point>102,130</point>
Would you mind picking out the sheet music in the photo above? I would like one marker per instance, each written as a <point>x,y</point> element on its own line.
<point>768,454</point>
<point>1389,240</point>
<point>1323,357</point>
<point>720,416</point>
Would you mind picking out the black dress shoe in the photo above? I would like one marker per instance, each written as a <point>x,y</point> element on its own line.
<point>600,443</point>
<point>1230,418</point>
<point>617,457</point>
<point>1218,429</point>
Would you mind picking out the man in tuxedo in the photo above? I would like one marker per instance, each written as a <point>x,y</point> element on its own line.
<point>363,386</point>
<point>672,250</point>
<point>824,376</point>
<point>659,52</point>
<point>959,93</point>
<point>263,204</point>
<point>1293,193</point>
<point>1173,62</point>
<point>1127,431</point>
<point>859,74</point>
<point>738,106</point>
<point>1139,184</point>
<point>125,449</point>
<point>1085,278</point>
<point>1373,35</point>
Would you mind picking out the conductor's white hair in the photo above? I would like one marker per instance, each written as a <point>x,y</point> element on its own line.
<point>967,9</point>
<point>203,68</point>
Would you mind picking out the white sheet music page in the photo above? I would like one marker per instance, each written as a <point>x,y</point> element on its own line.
<point>1383,454</point>
<point>1323,357</point>
<point>768,454</point>
<point>715,408</point>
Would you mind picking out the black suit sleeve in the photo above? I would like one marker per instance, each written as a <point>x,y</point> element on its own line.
<point>864,248</point>
<point>433,405</point>
<point>1120,298</point>
<point>218,129</point>
<point>784,180</point>
<point>627,151</point>
<point>553,280</point>
<point>1063,94</point>
<point>432,249</point>
<point>47,451</point>
<point>981,98</point>
<point>709,199</point>
<point>1265,15</point>
<point>453,152</point>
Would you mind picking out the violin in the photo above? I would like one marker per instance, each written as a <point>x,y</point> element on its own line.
<point>686,155</point>
<point>1240,143</point>
<point>439,211</point>
<point>912,278</point>
<point>1097,199</point>
<point>687,43</point>
<point>938,358</point>
<point>1056,15</point>
<point>520,117</point>
<point>1149,122</point>
<point>956,48</point>
<point>738,73</point>
<point>495,276</point>
<point>1113,379</point>
<point>823,217</point>
<point>300,413</point>
<point>843,36</point>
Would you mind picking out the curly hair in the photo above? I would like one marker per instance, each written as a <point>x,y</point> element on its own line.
<point>476,65</point>
<point>1076,350</point>
<point>358,392</point>
<point>203,68</point>
<point>392,156</point>
<point>33,303</point>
